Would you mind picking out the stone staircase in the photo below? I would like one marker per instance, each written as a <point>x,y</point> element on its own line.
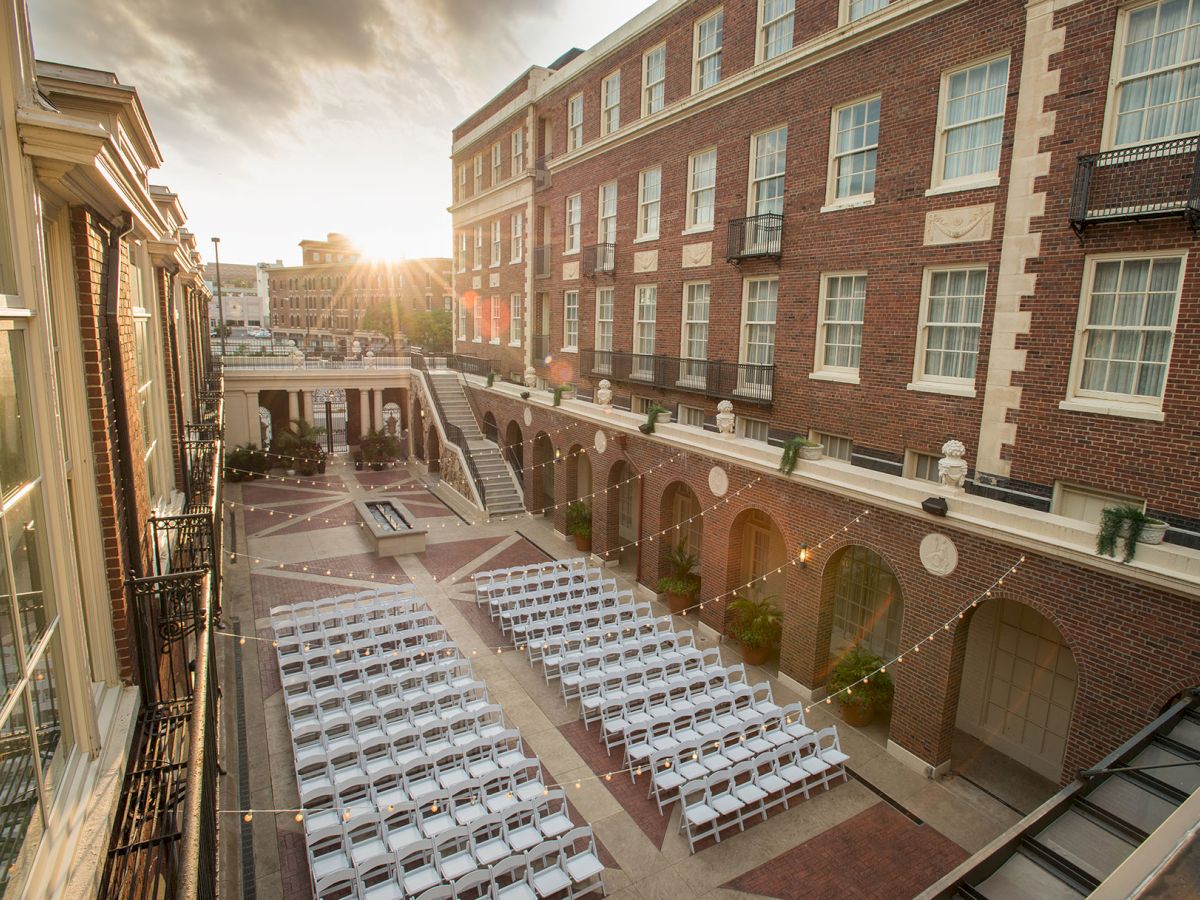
<point>503,496</point>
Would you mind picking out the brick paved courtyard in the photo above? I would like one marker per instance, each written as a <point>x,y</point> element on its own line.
<point>889,832</point>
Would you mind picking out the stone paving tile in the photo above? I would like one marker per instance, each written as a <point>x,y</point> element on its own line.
<point>427,510</point>
<point>631,795</point>
<point>262,515</point>
<point>331,518</point>
<point>360,567</point>
<point>270,590</point>
<point>879,854</point>
<point>293,866</point>
<point>386,478</point>
<point>273,492</point>
<point>443,559</point>
<point>522,553</point>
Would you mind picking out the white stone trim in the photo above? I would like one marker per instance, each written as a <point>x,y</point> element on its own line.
<point>914,762</point>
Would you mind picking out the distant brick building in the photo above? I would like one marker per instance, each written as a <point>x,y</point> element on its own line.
<point>320,303</point>
<point>882,227</point>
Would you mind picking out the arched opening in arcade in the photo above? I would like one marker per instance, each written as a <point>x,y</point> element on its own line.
<point>433,449</point>
<point>489,428</point>
<point>542,476</point>
<point>624,521</point>
<point>679,513</point>
<point>757,549</point>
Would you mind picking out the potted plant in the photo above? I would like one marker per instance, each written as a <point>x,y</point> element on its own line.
<point>491,378</point>
<point>681,583</point>
<point>1132,526</point>
<point>652,415</point>
<point>859,700</point>
<point>756,624</point>
<point>579,525</point>
<point>298,443</point>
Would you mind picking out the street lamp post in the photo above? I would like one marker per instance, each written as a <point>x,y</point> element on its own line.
<point>220,300</point>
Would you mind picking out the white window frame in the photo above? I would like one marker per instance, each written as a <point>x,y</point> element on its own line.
<point>574,125</point>
<point>610,103</point>
<point>755,179</point>
<point>572,224</point>
<point>846,14</point>
<point>1129,406</point>
<point>570,322</point>
<point>516,319</point>
<point>497,164</point>
<point>517,142</point>
<point>606,225</point>
<point>497,248</point>
<point>688,414</point>
<point>477,257</point>
<point>692,226</point>
<point>1107,498</point>
<point>915,459</point>
<point>644,205</point>
<point>1116,83</point>
<point>752,429</point>
<point>744,383</point>
<point>477,320</point>
<point>602,340</point>
<point>640,322</point>
<point>821,371</point>
<point>463,241</point>
<point>496,310</point>
<point>462,180</point>
<point>717,52</point>
<point>826,439</point>
<point>649,87</point>
<point>762,43</point>
<point>694,375</point>
<point>945,384</point>
<point>938,182</point>
<point>478,173</point>
<point>516,223</point>
<point>866,198</point>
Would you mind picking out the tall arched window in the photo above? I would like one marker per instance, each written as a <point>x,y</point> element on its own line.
<point>868,607</point>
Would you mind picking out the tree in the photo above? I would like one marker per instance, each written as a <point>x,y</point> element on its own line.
<point>386,318</point>
<point>431,331</point>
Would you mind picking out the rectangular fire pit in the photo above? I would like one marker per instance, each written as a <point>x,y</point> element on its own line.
<point>392,527</point>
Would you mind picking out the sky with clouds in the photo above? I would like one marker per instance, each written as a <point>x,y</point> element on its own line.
<point>285,119</point>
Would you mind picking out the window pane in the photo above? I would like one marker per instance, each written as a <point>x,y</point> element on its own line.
<point>23,528</point>
<point>20,822</point>
<point>16,440</point>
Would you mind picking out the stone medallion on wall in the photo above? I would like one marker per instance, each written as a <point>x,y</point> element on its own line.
<point>718,481</point>
<point>528,417</point>
<point>601,442</point>
<point>938,554</point>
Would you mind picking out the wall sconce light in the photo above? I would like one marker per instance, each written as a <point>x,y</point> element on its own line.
<point>524,395</point>
<point>935,506</point>
<point>804,556</point>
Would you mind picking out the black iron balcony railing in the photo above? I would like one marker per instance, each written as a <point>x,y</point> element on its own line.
<point>473,365</point>
<point>755,237</point>
<point>599,259</point>
<point>724,380</point>
<point>1145,182</point>
<point>539,345</point>
<point>165,833</point>
<point>541,173</point>
<point>541,261</point>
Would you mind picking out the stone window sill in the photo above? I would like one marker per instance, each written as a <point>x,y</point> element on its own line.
<point>938,387</point>
<point>1097,406</point>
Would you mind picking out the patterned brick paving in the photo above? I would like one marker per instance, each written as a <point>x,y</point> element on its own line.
<point>879,854</point>
<point>360,567</point>
<point>259,516</point>
<point>293,866</point>
<point>332,518</point>
<point>522,553</point>
<point>427,510</point>
<point>444,559</point>
<point>275,492</point>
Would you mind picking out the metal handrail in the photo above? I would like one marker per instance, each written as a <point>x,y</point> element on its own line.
<point>714,378</point>
<point>599,259</point>
<point>453,432</point>
<point>754,237</point>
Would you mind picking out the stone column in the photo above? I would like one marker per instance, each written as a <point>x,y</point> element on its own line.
<point>307,397</point>
<point>293,405</point>
<point>364,412</point>
<point>378,392</point>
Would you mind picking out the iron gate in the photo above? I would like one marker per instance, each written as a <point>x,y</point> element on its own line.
<point>330,404</point>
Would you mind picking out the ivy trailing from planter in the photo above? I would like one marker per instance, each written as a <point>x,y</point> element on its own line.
<point>1125,523</point>
<point>791,453</point>
<point>491,379</point>
<point>652,415</point>
<point>558,394</point>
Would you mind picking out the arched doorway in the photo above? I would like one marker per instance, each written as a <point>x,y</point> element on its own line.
<point>1018,686</point>
<point>514,451</point>
<point>433,450</point>
<point>624,523</point>
<point>868,605</point>
<point>543,473</point>
<point>392,421</point>
<point>579,474</point>
<point>265,429</point>
<point>489,428</point>
<point>330,413</point>
<point>418,431</point>
<point>680,512</point>
<point>756,550</point>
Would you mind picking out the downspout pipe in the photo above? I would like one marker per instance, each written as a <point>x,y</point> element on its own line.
<point>118,229</point>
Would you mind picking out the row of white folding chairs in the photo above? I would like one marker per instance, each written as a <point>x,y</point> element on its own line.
<point>541,583</point>
<point>598,696</point>
<point>495,577</point>
<point>601,595</point>
<point>384,636</point>
<point>638,678</point>
<point>335,634</point>
<point>575,584</point>
<point>549,643</point>
<point>347,601</point>
<point>353,669</point>
<point>710,709</point>
<point>716,685</point>
<point>626,615</point>
<point>714,803</point>
<point>713,751</point>
<point>344,613</point>
<point>585,662</point>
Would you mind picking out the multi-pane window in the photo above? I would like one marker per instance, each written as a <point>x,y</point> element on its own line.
<point>477,318</point>
<point>516,319</point>
<point>953,313</point>
<point>836,446</point>
<point>860,8</point>
<point>462,180</point>
<point>606,231</point>
<point>708,50</point>
<point>574,218</point>
<point>693,368</point>
<point>855,146</point>
<point>923,466</point>
<point>462,319</point>
<point>497,319</point>
<point>769,166</point>
<point>840,329</point>
<point>649,202</point>
<point>754,429</point>
<point>478,173</point>
<point>517,224</point>
<point>654,79</point>
<point>1158,81</point>
<point>868,608</point>
<point>496,243</point>
<point>778,24</point>
<point>462,251</point>
<point>518,150</point>
<point>570,320</point>
<point>610,103</point>
<point>604,330</point>
<point>973,120</point>
<point>692,416</point>
<point>702,188</point>
<point>575,122</point>
<point>497,165</point>
<point>477,260</point>
<point>645,314</point>
<point>1127,327</point>
<point>758,333</point>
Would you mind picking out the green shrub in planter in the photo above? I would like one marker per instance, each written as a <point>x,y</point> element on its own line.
<point>863,699</point>
<point>579,524</point>
<point>757,624</point>
<point>1130,525</point>
<point>681,583</point>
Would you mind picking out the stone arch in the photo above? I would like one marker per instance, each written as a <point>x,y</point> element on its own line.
<point>490,430</point>
<point>418,429</point>
<point>541,482</point>
<point>623,523</point>
<point>863,601</point>
<point>433,449</point>
<point>757,547</point>
<point>579,474</point>
<point>514,445</point>
<point>679,511</point>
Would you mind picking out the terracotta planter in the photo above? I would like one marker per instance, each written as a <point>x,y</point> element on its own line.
<point>754,656</point>
<point>856,716</point>
<point>678,603</point>
<point>583,543</point>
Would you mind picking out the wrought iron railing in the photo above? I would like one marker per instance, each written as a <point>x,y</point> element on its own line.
<point>510,454</point>
<point>1144,182</point>
<point>754,237</point>
<point>277,362</point>
<point>541,261</point>
<point>541,173</point>
<point>539,346</point>
<point>599,259</point>
<point>473,365</point>
<point>724,380</point>
<point>454,434</point>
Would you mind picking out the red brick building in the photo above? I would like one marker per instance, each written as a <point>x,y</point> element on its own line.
<point>882,227</point>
